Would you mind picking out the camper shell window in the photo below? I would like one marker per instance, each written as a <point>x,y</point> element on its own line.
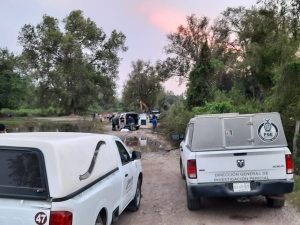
<point>22,174</point>
<point>190,135</point>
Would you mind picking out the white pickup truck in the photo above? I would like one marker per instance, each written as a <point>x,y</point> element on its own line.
<point>67,179</point>
<point>236,155</point>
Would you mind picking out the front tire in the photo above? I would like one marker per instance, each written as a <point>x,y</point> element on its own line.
<point>192,204</point>
<point>276,203</point>
<point>134,205</point>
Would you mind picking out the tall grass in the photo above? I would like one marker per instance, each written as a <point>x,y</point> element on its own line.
<point>294,197</point>
<point>33,112</point>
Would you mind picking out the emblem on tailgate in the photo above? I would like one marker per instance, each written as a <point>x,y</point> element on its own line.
<point>268,131</point>
<point>240,163</point>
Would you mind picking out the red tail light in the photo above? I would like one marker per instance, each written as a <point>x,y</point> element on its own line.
<point>61,218</point>
<point>289,164</point>
<point>192,169</point>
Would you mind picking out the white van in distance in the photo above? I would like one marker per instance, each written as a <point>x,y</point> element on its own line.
<point>236,155</point>
<point>66,179</point>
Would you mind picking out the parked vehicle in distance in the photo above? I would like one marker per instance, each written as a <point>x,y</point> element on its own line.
<point>154,112</point>
<point>122,117</point>
<point>67,179</point>
<point>126,122</point>
<point>233,155</point>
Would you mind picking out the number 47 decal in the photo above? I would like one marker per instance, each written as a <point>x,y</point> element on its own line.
<point>40,218</point>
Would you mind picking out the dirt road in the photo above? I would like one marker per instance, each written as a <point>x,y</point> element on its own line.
<point>164,202</point>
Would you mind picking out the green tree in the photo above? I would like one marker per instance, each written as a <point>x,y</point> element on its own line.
<point>257,41</point>
<point>74,67</point>
<point>185,47</point>
<point>12,84</point>
<point>287,10</point>
<point>286,93</point>
<point>143,84</point>
<point>199,88</point>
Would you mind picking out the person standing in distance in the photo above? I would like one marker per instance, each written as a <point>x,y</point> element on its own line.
<point>154,123</point>
<point>2,128</point>
<point>131,121</point>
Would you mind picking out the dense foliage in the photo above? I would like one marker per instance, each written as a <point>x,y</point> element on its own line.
<point>74,67</point>
<point>143,84</point>
<point>13,85</point>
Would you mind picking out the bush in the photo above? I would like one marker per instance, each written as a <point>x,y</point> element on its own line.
<point>21,112</point>
<point>214,108</point>
<point>33,112</point>
<point>175,119</point>
<point>51,112</point>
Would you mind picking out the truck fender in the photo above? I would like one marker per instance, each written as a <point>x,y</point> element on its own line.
<point>103,204</point>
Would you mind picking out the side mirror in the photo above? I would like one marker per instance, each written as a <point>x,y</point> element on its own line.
<point>177,137</point>
<point>136,155</point>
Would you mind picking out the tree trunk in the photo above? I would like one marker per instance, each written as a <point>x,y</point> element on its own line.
<point>297,128</point>
<point>72,108</point>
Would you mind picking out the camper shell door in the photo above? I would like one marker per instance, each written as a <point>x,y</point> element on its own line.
<point>237,132</point>
<point>234,131</point>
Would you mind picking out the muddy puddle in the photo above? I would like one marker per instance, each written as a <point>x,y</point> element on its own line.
<point>52,127</point>
<point>143,144</point>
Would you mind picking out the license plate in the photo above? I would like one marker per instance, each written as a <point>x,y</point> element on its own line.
<point>241,187</point>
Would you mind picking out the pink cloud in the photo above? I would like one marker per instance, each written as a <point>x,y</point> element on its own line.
<point>162,16</point>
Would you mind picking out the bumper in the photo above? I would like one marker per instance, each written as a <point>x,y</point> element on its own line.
<point>226,189</point>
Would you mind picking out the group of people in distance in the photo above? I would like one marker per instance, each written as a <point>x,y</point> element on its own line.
<point>114,124</point>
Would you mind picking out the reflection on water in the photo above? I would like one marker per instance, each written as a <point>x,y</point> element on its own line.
<point>133,143</point>
<point>51,127</point>
<point>142,144</point>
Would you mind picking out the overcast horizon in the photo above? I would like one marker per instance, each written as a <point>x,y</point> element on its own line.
<point>144,22</point>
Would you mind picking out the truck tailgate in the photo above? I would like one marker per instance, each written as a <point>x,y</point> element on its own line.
<point>15,212</point>
<point>241,165</point>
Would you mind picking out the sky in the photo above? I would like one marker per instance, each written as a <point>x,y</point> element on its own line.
<point>144,22</point>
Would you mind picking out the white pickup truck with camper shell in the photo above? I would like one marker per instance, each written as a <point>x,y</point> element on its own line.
<point>67,179</point>
<point>154,113</point>
<point>236,155</point>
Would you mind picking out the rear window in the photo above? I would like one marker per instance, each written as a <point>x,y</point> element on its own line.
<point>21,174</point>
<point>20,169</point>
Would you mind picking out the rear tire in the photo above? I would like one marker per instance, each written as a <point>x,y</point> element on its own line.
<point>276,203</point>
<point>182,171</point>
<point>101,219</point>
<point>192,204</point>
<point>134,205</point>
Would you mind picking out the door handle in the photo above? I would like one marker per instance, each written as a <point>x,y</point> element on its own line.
<point>240,154</point>
<point>181,149</point>
<point>126,175</point>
